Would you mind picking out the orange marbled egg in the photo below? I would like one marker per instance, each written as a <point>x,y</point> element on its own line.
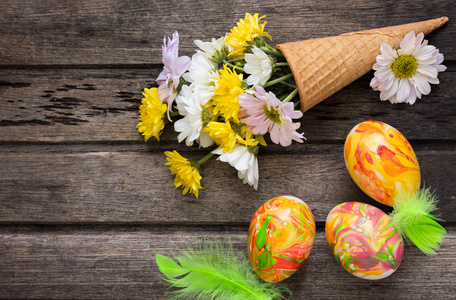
<point>281,235</point>
<point>381,161</point>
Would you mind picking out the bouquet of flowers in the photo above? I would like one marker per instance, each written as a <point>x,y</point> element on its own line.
<point>232,92</point>
<point>237,89</point>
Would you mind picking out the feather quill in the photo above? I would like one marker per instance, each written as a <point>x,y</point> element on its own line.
<point>214,271</point>
<point>412,217</point>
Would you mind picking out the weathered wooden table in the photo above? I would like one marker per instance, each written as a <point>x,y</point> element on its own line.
<point>85,204</point>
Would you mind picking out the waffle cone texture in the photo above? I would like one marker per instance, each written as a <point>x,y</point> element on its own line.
<point>323,66</point>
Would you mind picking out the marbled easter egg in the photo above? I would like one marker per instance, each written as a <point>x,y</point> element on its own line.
<point>281,236</point>
<point>363,240</point>
<point>381,162</point>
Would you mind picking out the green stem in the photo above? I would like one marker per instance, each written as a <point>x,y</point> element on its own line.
<point>288,84</point>
<point>204,159</point>
<point>272,51</point>
<point>275,81</point>
<point>259,137</point>
<point>282,64</point>
<point>171,115</point>
<point>297,103</point>
<point>236,59</point>
<point>233,66</point>
<point>174,113</point>
<point>182,81</point>
<point>291,96</point>
<point>282,97</point>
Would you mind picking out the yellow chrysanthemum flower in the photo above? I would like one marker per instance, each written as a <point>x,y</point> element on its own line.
<point>226,137</point>
<point>222,134</point>
<point>247,138</point>
<point>246,31</point>
<point>187,174</point>
<point>226,96</point>
<point>151,115</point>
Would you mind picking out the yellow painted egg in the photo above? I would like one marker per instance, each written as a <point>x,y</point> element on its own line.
<point>381,161</point>
<point>280,238</point>
<point>363,240</point>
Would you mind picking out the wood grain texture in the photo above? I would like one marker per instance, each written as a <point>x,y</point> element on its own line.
<point>44,185</point>
<point>78,105</point>
<point>114,32</point>
<point>118,263</point>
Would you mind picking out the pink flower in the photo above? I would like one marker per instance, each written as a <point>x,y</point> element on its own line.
<point>174,67</point>
<point>263,112</point>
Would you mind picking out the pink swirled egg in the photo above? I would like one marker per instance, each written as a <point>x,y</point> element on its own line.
<point>281,235</point>
<point>363,240</point>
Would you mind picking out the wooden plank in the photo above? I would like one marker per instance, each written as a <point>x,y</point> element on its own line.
<point>71,105</point>
<point>118,263</point>
<point>49,184</point>
<point>114,32</point>
<point>78,105</point>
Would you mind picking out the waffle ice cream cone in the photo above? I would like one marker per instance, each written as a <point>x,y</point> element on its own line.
<point>323,66</point>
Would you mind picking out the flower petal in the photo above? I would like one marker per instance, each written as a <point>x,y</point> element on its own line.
<point>393,90</point>
<point>182,65</point>
<point>427,70</point>
<point>385,75</point>
<point>408,43</point>
<point>412,95</point>
<point>419,39</point>
<point>427,61</point>
<point>243,162</point>
<point>432,80</point>
<point>403,90</point>
<point>387,51</point>
<point>383,60</point>
<point>422,84</point>
<point>204,140</point>
<point>374,83</point>
<point>424,52</point>
<point>386,85</point>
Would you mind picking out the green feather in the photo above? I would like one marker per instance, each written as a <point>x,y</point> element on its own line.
<point>213,271</point>
<point>411,216</point>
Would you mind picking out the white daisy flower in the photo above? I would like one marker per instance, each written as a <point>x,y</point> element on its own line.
<point>244,161</point>
<point>203,76</point>
<point>402,76</point>
<point>190,106</point>
<point>208,49</point>
<point>259,66</point>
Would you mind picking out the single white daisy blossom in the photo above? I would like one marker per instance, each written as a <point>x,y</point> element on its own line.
<point>259,66</point>
<point>203,72</point>
<point>208,49</point>
<point>189,127</point>
<point>203,76</point>
<point>262,112</point>
<point>402,76</point>
<point>242,160</point>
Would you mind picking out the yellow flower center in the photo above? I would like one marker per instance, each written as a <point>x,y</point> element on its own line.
<point>404,66</point>
<point>272,114</point>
